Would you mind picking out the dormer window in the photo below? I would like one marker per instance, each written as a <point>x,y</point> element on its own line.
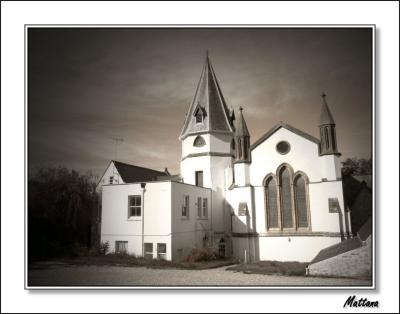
<point>199,117</point>
<point>200,113</point>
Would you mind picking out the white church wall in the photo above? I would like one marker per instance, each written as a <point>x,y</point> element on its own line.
<point>188,232</point>
<point>220,143</point>
<point>321,218</point>
<point>294,248</point>
<point>189,148</point>
<point>156,207</point>
<point>213,168</point>
<point>241,223</point>
<point>217,167</point>
<point>189,166</point>
<point>330,167</point>
<point>303,155</point>
<point>242,174</point>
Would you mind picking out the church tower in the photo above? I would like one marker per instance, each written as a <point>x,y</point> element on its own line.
<point>242,152</point>
<point>207,141</point>
<point>328,145</point>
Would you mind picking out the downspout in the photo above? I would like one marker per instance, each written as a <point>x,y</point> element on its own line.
<point>211,222</point>
<point>143,185</point>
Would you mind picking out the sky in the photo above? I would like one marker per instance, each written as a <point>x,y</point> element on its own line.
<point>90,86</point>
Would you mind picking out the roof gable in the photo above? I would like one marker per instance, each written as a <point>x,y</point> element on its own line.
<point>287,127</point>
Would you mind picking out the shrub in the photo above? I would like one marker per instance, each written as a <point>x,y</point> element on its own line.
<point>201,255</point>
<point>104,247</point>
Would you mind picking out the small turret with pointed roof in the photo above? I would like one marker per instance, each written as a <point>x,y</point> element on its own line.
<point>242,140</point>
<point>328,145</point>
<point>208,112</point>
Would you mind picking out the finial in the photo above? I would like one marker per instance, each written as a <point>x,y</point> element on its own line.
<point>241,108</point>
<point>323,95</point>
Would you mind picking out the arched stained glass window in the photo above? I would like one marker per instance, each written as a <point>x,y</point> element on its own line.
<point>301,202</point>
<point>286,195</point>
<point>272,204</point>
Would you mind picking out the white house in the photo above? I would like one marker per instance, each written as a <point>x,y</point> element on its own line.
<point>278,199</point>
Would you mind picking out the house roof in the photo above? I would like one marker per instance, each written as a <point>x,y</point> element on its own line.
<point>131,173</point>
<point>209,99</point>
<point>326,115</point>
<point>241,128</point>
<point>288,127</point>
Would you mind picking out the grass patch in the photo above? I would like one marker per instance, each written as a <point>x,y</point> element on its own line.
<point>272,268</point>
<point>126,260</point>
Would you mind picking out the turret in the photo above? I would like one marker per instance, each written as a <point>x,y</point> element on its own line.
<point>327,130</point>
<point>242,152</point>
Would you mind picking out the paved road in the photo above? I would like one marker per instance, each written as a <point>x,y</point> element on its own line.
<point>64,275</point>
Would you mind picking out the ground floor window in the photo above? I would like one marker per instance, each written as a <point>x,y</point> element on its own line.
<point>161,250</point>
<point>148,250</point>
<point>121,247</point>
<point>221,248</point>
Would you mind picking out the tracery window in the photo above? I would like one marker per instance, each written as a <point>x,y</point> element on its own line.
<point>286,200</point>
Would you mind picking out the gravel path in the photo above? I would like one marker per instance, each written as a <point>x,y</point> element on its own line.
<point>63,275</point>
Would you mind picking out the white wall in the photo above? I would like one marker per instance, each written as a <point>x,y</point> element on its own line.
<point>303,155</point>
<point>188,233</point>
<point>111,170</point>
<point>242,174</point>
<point>217,143</point>
<point>157,218</point>
<point>163,221</point>
<point>301,249</point>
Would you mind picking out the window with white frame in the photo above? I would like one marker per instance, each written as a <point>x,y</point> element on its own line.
<point>185,206</point>
<point>199,207</point>
<point>161,250</point>
<point>205,208</point>
<point>148,250</point>
<point>121,247</point>
<point>134,206</point>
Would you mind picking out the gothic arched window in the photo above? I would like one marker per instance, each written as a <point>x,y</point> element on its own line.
<point>272,209</point>
<point>286,198</point>
<point>199,141</point>
<point>233,144</point>
<point>300,190</point>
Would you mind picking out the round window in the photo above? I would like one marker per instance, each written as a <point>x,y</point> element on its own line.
<point>283,147</point>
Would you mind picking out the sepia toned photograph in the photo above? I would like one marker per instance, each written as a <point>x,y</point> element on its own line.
<point>200,157</point>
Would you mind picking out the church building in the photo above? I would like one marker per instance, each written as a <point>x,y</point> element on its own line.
<point>280,198</point>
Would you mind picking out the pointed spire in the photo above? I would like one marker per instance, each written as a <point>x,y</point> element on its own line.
<point>241,129</point>
<point>326,115</point>
<point>209,99</point>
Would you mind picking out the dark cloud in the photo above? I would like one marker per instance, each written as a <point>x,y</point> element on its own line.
<point>86,86</point>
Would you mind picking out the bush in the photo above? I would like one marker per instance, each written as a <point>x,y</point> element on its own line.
<point>201,255</point>
<point>104,247</point>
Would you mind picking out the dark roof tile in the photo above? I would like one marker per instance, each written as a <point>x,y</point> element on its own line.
<point>131,174</point>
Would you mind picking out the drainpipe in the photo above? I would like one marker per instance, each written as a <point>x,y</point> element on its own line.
<point>143,186</point>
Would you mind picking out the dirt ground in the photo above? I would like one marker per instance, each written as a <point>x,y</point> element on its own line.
<point>73,275</point>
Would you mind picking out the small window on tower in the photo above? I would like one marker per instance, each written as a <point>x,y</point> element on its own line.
<point>199,114</point>
<point>199,141</point>
<point>199,117</point>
